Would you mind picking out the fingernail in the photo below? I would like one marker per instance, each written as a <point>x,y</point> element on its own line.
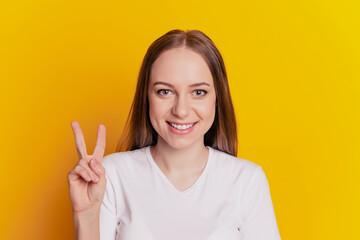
<point>93,162</point>
<point>95,178</point>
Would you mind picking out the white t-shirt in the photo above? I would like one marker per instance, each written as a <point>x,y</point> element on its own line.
<point>229,201</point>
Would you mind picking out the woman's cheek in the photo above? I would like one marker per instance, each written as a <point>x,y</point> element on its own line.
<point>158,110</point>
<point>207,108</point>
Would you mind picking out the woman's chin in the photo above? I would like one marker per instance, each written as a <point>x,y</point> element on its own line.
<point>180,144</point>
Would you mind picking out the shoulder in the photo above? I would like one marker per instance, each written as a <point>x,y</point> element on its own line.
<point>231,168</point>
<point>226,161</point>
<point>248,175</point>
<point>125,160</point>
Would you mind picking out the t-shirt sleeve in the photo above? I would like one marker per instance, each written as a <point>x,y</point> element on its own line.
<point>108,219</point>
<point>259,222</point>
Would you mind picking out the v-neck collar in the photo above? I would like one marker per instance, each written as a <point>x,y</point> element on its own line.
<point>162,175</point>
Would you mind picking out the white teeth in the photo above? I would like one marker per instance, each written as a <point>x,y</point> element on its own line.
<point>181,126</point>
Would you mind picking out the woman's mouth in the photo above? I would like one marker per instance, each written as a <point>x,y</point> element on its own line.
<point>181,128</point>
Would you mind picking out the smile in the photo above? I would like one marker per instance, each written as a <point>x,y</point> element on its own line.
<point>181,128</point>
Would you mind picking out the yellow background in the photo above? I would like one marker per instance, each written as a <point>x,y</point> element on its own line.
<point>293,68</point>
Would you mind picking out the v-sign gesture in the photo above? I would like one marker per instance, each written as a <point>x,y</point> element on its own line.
<point>87,180</point>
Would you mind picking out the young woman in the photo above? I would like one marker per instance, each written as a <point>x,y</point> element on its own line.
<point>175,174</point>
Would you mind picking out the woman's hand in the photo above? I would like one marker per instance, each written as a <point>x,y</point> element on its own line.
<point>87,180</point>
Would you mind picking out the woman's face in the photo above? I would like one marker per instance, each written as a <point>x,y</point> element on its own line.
<point>182,97</point>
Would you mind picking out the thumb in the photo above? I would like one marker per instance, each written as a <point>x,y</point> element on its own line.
<point>97,188</point>
<point>97,168</point>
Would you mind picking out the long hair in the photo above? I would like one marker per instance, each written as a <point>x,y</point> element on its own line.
<point>222,135</point>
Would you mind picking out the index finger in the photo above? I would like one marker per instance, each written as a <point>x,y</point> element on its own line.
<point>79,139</point>
<point>100,143</point>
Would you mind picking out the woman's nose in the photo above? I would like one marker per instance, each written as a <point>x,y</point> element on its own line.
<point>181,107</point>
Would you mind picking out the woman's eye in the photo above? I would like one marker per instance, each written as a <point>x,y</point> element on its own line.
<point>163,92</point>
<point>200,92</point>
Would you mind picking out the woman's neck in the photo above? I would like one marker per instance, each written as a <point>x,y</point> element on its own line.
<point>180,161</point>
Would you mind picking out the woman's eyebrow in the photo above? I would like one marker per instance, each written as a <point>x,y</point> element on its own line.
<point>192,85</point>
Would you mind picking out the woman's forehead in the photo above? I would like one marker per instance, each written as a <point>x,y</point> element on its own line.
<point>180,66</point>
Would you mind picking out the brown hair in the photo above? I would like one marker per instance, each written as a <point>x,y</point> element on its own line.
<point>222,135</point>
